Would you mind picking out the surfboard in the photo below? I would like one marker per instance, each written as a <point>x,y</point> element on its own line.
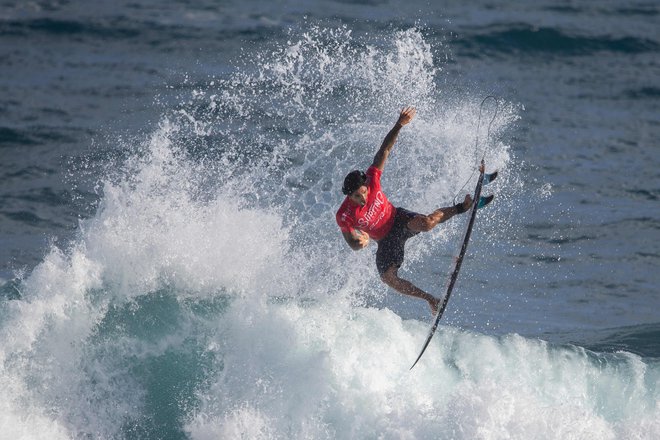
<point>479,202</point>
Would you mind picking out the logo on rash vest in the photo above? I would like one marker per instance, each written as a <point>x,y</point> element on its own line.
<point>367,221</point>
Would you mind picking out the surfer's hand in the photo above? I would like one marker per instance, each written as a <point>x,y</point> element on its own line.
<point>482,167</point>
<point>407,115</point>
<point>362,238</point>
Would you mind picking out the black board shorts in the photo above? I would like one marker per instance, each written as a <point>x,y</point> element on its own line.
<point>391,247</point>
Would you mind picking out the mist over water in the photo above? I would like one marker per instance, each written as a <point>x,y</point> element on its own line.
<point>208,293</point>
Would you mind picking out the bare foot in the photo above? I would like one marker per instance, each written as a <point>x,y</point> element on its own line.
<point>467,203</point>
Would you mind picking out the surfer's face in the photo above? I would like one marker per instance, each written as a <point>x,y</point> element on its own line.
<point>360,195</point>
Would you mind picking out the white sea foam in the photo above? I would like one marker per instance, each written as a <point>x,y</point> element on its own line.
<point>323,373</point>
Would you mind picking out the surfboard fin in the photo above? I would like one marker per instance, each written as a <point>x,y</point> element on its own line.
<point>485,200</point>
<point>490,177</point>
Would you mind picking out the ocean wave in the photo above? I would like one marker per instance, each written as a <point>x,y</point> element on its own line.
<point>643,93</point>
<point>172,363</point>
<point>123,28</point>
<point>10,136</point>
<point>522,38</point>
<point>51,26</point>
<point>641,339</point>
<point>644,10</point>
<point>210,294</point>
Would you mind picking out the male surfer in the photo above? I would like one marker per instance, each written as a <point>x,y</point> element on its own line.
<point>366,212</point>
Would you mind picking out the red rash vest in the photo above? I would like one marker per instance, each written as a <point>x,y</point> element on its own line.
<point>375,217</point>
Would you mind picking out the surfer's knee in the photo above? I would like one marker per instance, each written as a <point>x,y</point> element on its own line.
<point>427,223</point>
<point>390,276</point>
<point>423,223</point>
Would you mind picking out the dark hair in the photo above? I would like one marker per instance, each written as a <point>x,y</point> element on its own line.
<point>353,181</point>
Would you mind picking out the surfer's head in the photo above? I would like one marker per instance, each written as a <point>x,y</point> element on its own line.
<point>355,188</point>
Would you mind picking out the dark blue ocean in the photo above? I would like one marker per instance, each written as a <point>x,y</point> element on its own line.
<point>170,266</point>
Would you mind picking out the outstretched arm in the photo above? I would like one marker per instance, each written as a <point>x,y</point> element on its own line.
<point>407,114</point>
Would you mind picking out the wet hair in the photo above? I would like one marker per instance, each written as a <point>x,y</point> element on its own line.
<point>353,181</point>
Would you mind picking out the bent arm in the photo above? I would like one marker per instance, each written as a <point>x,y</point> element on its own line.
<point>355,241</point>
<point>407,114</point>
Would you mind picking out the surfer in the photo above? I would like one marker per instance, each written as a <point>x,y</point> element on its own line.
<point>367,213</point>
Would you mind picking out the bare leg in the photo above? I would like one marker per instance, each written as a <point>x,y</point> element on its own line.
<point>424,223</point>
<point>391,278</point>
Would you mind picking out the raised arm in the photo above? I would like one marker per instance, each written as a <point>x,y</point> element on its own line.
<point>407,114</point>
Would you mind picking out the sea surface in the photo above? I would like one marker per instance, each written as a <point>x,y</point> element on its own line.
<point>170,266</point>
